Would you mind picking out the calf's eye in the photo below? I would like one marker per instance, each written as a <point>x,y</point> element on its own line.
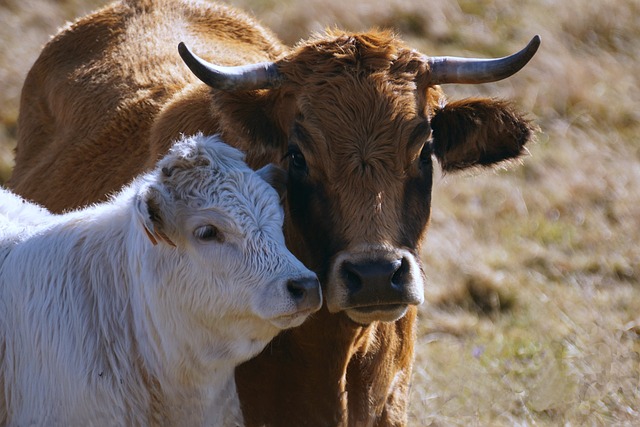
<point>208,233</point>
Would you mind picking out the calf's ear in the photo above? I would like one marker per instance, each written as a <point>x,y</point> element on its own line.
<point>276,177</point>
<point>150,207</point>
<point>478,132</point>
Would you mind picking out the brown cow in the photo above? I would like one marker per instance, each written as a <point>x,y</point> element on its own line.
<point>356,119</point>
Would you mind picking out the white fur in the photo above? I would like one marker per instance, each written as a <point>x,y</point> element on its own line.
<point>100,326</point>
<point>18,216</point>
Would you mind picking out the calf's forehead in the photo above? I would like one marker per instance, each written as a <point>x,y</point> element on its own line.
<point>242,197</point>
<point>202,173</point>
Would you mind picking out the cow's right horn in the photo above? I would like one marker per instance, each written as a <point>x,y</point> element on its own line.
<point>262,75</point>
<point>448,69</point>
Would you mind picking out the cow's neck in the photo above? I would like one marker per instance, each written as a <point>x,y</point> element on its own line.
<point>316,361</point>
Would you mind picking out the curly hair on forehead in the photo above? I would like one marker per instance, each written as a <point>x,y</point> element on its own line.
<point>338,52</point>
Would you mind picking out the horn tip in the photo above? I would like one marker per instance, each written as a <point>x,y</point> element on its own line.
<point>535,41</point>
<point>182,49</point>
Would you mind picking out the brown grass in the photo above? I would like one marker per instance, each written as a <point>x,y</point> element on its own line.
<point>533,312</point>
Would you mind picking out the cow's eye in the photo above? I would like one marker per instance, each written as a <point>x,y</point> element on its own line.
<point>296,159</point>
<point>208,233</point>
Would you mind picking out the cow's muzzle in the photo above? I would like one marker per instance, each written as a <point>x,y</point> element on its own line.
<point>375,284</point>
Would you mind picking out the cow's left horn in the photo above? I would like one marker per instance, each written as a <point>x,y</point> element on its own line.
<point>449,69</point>
<point>262,75</point>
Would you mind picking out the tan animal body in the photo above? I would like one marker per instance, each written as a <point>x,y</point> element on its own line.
<point>356,118</point>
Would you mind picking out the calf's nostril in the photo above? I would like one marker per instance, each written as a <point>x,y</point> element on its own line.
<point>299,288</point>
<point>295,289</point>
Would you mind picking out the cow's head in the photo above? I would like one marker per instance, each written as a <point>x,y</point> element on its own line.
<point>359,118</point>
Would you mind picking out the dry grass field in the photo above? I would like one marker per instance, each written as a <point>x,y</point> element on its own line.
<point>533,311</point>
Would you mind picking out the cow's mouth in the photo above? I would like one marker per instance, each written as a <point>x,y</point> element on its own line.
<point>382,313</point>
<point>372,308</point>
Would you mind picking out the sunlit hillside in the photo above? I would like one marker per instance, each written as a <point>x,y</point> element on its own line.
<point>533,312</point>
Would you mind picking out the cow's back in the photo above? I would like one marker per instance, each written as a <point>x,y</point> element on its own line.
<point>91,99</point>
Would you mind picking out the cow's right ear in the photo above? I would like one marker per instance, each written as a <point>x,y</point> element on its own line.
<point>150,208</point>
<point>276,177</point>
<point>478,132</point>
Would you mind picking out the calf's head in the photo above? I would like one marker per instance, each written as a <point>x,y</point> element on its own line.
<point>359,119</point>
<point>218,247</point>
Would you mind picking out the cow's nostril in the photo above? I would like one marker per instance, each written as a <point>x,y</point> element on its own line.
<point>378,282</point>
<point>351,277</point>
<point>373,274</point>
<point>401,275</point>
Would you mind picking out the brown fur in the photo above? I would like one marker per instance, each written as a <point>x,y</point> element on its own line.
<point>109,94</point>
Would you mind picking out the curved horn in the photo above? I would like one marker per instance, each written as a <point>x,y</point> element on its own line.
<point>449,69</point>
<point>262,75</point>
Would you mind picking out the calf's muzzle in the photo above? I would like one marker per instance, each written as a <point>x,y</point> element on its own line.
<point>305,291</point>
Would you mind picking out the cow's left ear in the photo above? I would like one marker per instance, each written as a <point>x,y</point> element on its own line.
<point>149,207</point>
<point>276,177</point>
<point>478,132</point>
<point>260,118</point>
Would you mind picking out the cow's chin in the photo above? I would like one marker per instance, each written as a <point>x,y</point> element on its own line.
<point>383,313</point>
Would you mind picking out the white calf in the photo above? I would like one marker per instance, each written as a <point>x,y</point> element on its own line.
<point>136,311</point>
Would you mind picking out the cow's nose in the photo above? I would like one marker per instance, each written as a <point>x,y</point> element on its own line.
<point>305,291</point>
<point>378,274</point>
<point>378,282</point>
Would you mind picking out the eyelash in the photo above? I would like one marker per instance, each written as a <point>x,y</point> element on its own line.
<point>208,233</point>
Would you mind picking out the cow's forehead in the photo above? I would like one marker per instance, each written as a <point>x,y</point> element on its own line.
<point>360,125</point>
<point>358,95</point>
<point>345,65</point>
<point>337,50</point>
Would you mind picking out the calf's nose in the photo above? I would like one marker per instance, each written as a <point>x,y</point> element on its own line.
<point>305,291</point>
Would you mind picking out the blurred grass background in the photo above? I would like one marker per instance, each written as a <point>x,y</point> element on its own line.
<point>533,311</point>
